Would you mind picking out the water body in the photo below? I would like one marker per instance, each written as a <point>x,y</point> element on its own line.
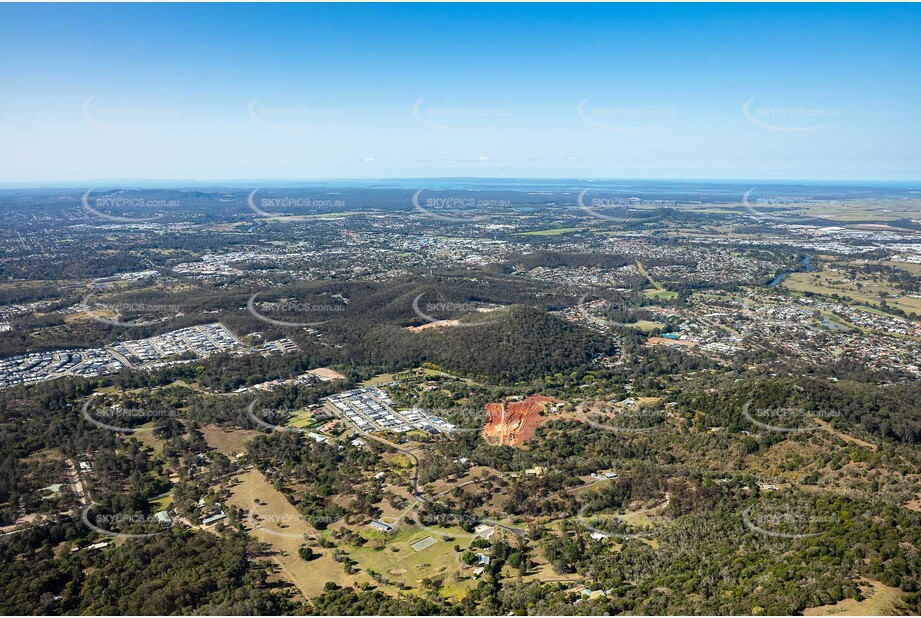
<point>832,325</point>
<point>778,279</point>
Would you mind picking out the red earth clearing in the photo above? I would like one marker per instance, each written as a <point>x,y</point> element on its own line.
<point>512,423</point>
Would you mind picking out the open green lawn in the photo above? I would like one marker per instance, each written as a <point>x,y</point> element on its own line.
<point>161,504</point>
<point>646,325</point>
<point>393,556</point>
<point>382,378</point>
<point>660,294</point>
<point>302,419</point>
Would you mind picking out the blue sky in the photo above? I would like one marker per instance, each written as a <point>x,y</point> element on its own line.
<point>242,92</point>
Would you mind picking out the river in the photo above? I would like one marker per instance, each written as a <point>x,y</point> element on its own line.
<point>779,277</point>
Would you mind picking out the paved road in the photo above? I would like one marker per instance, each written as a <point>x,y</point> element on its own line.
<point>414,489</point>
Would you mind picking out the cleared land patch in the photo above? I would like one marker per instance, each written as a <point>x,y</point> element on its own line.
<point>282,527</point>
<point>880,601</point>
<point>227,442</point>
<point>325,373</point>
<point>512,423</point>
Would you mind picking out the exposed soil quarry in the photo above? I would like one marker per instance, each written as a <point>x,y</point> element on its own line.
<point>433,325</point>
<point>512,423</point>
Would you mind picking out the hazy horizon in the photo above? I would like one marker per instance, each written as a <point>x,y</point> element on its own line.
<point>182,183</point>
<point>781,92</point>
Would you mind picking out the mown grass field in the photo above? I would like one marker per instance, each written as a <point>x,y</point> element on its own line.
<point>660,294</point>
<point>647,326</point>
<point>382,378</point>
<point>301,419</point>
<point>393,556</point>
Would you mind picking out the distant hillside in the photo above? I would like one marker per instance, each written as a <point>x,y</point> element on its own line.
<point>516,344</point>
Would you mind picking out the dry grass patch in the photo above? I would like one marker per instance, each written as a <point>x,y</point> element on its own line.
<point>228,442</point>
<point>881,600</point>
<point>283,529</point>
